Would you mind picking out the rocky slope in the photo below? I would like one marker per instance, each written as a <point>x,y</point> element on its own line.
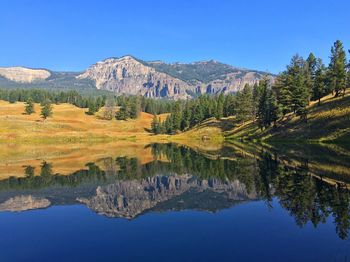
<point>131,198</point>
<point>128,75</point>
<point>24,75</point>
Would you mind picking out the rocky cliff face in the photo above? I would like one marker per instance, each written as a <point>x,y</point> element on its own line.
<point>24,75</point>
<point>131,76</point>
<point>127,75</point>
<point>130,198</point>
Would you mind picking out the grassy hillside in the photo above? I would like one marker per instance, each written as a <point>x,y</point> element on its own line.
<point>68,123</point>
<point>328,122</point>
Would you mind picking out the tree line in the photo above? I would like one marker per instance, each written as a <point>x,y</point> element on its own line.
<point>266,102</point>
<point>129,106</point>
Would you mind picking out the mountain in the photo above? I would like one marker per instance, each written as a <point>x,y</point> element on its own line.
<point>129,75</point>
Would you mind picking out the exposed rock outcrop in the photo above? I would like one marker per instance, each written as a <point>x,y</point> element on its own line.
<point>127,75</point>
<point>24,75</point>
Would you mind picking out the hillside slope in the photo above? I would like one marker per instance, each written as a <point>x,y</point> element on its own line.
<point>328,122</point>
<point>69,123</point>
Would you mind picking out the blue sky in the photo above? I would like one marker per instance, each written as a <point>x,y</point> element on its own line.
<point>72,35</point>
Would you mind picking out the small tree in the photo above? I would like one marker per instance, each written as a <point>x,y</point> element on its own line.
<point>46,109</point>
<point>155,125</point>
<point>29,107</point>
<point>109,110</point>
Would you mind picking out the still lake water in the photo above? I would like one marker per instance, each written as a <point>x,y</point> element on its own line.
<point>237,203</point>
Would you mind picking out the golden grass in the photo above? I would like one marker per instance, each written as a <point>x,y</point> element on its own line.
<point>68,124</point>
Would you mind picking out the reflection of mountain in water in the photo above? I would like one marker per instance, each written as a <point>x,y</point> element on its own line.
<point>131,198</point>
<point>180,178</point>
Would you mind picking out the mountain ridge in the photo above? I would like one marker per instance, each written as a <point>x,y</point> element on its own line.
<point>133,76</point>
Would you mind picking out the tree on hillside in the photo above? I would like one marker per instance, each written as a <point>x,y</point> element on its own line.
<point>284,93</point>
<point>245,104</point>
<point>29,106</point>
<point>46,109</point>
<point>319,87</point>
<point>155,125</point>
<point>93,108</point>
<point>310,73</point>
<point>297,83</point>
<point>109,110</point>
<point>337,69</point>
<point>135,107</point>
<point>348,80</point>
<point>268,110</point>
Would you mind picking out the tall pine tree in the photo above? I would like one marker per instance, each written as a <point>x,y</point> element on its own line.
<point>337,69</point>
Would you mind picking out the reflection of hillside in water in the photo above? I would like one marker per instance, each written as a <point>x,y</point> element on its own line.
<point>181,178</point>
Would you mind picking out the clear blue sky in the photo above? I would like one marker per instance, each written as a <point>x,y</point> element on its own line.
<point>72,35</point>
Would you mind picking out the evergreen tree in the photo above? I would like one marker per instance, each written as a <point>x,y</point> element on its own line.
<point>245,104</point>
<point>155,125</point>
<point>176,116</point>
<point>46,109</point>
<point>220,107</point>
<point>310,72</point>
<point>319,88</point>
<point>337,69</point>
<point>135,108</point>
<point>284,93</point>
<point>109,110</point>
<point>29,106</point>
<point>297,84</point>
<point>93,108</point>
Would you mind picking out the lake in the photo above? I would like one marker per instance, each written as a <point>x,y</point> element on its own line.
<point>168,202</point>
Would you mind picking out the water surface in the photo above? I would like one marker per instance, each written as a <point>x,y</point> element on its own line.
<point>175,203</point>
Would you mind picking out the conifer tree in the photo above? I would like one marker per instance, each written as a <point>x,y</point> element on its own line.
<point>337,68</point>
<point>109,110</point>
<point>319,88</point>
<point>46,109</point>
<point>155,125</point>
<point>244,105</point>
<point>29,106</point>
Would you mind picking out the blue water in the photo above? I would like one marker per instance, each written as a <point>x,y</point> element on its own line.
<point>246,232</point>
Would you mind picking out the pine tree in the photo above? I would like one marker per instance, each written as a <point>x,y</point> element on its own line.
<point>348,76</point>
<point>337,68</point>
<point>135,107</point>
<point>263,106</point>
<point>176,116</point>
<point>46,109</point>
<point>284,93</point>
<point>155,125</point>
<point>245,104</point>
<point>220,107</point>
<point>319,88</point>
<point>109,110</point>
<point>296,82</point>
<point>310,73</point>
<point>92,107</point>
<point>29,106</point>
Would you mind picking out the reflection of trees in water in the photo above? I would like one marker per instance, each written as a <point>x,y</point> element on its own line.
<point>47,178</point>
<point>307,198</point>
